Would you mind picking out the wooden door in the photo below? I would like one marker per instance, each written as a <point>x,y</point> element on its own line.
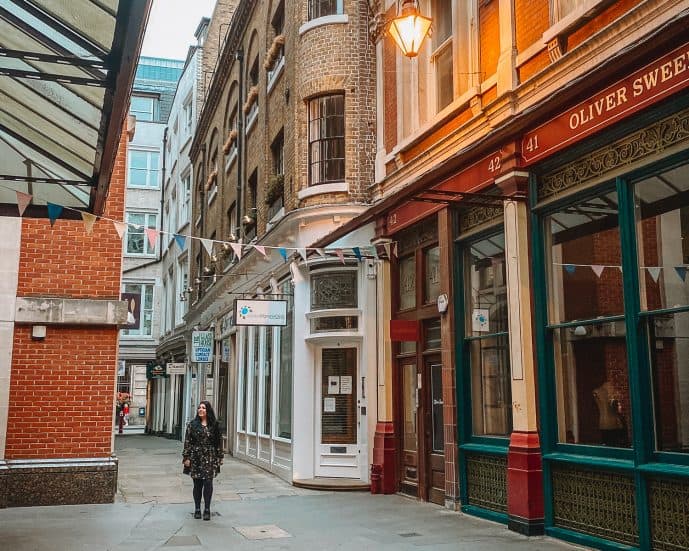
<point>434,482</point>
<point>409,427</point>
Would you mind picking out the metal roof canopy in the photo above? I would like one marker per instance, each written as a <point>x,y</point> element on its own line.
<point>66,71</point>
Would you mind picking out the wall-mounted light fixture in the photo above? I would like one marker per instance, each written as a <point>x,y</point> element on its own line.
<point>409,28</point>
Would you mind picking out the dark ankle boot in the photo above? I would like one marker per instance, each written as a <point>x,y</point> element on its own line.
<point>197,514</point>
<point>207,514</point>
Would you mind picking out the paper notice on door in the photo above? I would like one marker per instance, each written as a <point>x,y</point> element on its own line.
<point>328,405</point>
<point>480,320</point>
<point>333,384</point>
<point>346,384</point>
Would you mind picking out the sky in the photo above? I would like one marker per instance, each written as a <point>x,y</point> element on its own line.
<point>171,27</point>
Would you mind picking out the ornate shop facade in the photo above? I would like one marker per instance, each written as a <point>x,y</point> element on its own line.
<point>553,216</point>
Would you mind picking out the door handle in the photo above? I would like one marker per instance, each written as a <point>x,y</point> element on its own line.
<point>438,402</point>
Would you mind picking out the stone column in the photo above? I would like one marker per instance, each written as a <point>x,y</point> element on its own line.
<point>448,360</point>
<point>524,465</point>
<point>383,469</point>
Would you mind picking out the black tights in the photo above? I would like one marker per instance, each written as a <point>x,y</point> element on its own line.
<point>205,486</point>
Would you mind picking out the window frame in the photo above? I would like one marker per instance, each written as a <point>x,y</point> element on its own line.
<point>320,139</point>
<point>139,335</point>
<point>312,4</point>
<point>146,225</point>
<point>148,170</point>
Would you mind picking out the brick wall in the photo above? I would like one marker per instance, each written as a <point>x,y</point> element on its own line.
<point>62,388</point>
<point>61,393</point>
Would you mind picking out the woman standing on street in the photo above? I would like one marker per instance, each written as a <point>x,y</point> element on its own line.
<point>202,456</point>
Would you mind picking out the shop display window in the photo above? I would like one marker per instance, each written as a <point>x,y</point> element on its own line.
<point>661,202</point>
<point>585,287</point>
<point>487,337</point>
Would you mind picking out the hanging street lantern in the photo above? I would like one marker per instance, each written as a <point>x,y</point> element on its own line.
<point>409,28</point>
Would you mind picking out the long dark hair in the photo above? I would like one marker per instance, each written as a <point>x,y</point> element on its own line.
<point>211,421</point>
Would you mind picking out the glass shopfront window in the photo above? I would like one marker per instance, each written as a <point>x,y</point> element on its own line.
<point>585,260</point>
<point>585,285</point>
<point>284,406</point>
<point>487,337</point>
<point>661,203</point>
<point>431,274</point>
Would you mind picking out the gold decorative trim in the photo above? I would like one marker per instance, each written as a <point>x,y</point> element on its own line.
<point>643,143</point>
<point>475,216</point>
<point>596,502</point>
<point>669,511</point>
<point>487,481</point>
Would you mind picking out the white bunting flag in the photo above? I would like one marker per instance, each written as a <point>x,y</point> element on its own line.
<point>120,228</point>
<point>261,249</point>
<point>654,272</point>
<point>321,252</point>
<point>208,245</point>
<point>302,253</point>
<point>597,269</point>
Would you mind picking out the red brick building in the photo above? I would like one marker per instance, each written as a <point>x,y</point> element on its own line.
<point>60,307</point>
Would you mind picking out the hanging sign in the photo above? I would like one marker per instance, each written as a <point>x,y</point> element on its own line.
<point>202,346</point>
<point>404,330</point>
<point>647,86</point>
<point>260,312</point>
<point>176,368</point>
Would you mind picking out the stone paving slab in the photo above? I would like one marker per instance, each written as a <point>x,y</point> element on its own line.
<point>141,520</point>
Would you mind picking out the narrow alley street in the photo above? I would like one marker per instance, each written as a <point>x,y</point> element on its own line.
<point>252,510</point>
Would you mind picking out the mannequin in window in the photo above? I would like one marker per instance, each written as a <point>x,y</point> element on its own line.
<point>611,423</point>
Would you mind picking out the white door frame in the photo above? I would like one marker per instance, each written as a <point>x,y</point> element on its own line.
<point>327,461</point>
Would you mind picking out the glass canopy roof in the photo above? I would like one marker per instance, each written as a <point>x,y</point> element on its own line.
<point>66,70</point>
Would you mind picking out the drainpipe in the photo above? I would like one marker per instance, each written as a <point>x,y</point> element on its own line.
<point>162,195</point>
<point>239,56</point>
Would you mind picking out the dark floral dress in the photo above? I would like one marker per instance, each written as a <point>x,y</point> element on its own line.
<point>202,445</point>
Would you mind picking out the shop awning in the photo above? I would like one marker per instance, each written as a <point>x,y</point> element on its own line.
<point>66,70</point>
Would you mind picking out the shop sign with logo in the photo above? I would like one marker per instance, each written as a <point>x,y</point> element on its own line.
<point>202,346</point>
<point>260,312</point>
<point>176,368</point>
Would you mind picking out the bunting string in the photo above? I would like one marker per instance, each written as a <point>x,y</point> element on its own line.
<point>151,235</point>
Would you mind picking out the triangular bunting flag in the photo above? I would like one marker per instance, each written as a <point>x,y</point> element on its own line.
<point>297,277</point>
<point>373,251</point>
<point>89,220</point>
<point>340,255</point>
<point>302,253</point>
<point>681,272</point>
<point>54,212</point>
<point>261,249</point>
<point>386,246</point>
<point>357,253</point>
<point>208,245</point>
<point>654,271</point>
<point>120,227</point>
<point>152,235</point>
<point>23,201</point>
<point>322,252</point>
<point>597,269</point>
<point>570,268</point>
<point>237,248</point>
<point>181,241</point>
<point>283,253</point>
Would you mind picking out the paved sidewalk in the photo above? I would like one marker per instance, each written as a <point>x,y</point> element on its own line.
<point>252,510</point>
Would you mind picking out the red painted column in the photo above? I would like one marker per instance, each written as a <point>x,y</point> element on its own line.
<point>383,469</point>
<point>525,484</point>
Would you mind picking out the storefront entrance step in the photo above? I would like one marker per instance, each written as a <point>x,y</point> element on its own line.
<point>333,484</point>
